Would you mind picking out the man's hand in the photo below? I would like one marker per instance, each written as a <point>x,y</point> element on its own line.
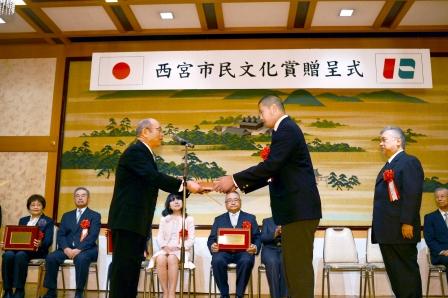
<point>252,249</point>
<point>68,252</point>
<point>75,252</point>
<point>37,243</point>
<point>194,187</point>
<point>407,231</point>
<point>444,253</point>
<point>224,184</point>
<point>214,247</point>
<point>278,231</point>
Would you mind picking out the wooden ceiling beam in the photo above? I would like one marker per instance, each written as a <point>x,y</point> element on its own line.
<point>130,16</point>
<point>292,14</point>
<point>39,31</point>
<point>310,14</point>
<point>219,15</point>
<point>402,13</point>
<point>383,13</point>
<point>201,15</point>
<point>114,18</point>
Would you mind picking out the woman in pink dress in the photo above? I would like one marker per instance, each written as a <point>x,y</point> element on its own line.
<point>169,241</point>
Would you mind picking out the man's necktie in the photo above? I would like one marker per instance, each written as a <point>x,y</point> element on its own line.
<point>445,215</point>
<point>78,215</point>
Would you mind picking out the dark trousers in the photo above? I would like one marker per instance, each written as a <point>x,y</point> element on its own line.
<point>126,262</point>
<point>244,264</point>
<point>297,245</point>
<point>272,259</point>
<point>82,263</point>
<point>402,269</point>
<point>15,268</point>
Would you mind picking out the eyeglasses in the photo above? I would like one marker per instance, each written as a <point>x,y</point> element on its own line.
<point>232,200</point>
<point>84,195</point>
<point>159,129</point>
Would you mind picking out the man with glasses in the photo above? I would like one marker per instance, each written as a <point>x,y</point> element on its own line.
<point>77,240</point>
<point>396,213</point>
<point>137,183</point>
<point>244,260</point>
<point>436,229</point>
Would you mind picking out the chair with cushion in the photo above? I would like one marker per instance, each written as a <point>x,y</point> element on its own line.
<point>340,255</point>
<point>374,263</point>
<point>230,268</point>
<point>261,269</point>
<point>189,268</point>
<point>434,271</point>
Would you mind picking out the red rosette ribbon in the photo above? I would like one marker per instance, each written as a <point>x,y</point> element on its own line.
<point>85,225</point>
<point>247,224</point>
<point>183,235</point>
<point>40,236</point>
<point>388,176</point>
<point>264,153</point>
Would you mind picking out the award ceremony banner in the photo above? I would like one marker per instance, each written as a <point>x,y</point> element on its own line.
<point>254,69</point>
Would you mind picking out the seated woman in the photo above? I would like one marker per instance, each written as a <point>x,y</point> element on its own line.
<point>169,241</point>
<point>15,263</point>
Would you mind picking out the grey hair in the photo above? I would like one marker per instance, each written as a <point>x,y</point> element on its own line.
<point>143,124</point>
<point>440,189</point>
<point>269,100</point>
<point>398,132</point>
<point>81,188</point>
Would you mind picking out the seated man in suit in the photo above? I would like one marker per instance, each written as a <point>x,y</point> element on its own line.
<point>76,240</point>
<point>271,257</point>
<point>244,260</point>
<point>436,230</point>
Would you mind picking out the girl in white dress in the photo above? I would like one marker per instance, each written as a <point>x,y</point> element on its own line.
<point>169,241</point>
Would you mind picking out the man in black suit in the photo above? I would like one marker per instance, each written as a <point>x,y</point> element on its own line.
<point>436,229</point>
<point>77,240</point>
<point>137,183</point>
<point>271,257</point>
<point>396,213</point>
<point>295,200</point>
<point>244,260</point>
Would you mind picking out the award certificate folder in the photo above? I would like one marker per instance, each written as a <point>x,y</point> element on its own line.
<point>20,237</point>
<point>230,239</point>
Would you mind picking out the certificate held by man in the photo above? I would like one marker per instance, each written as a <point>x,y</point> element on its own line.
<point>230,239</point>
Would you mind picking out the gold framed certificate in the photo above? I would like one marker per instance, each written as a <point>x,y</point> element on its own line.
<point>230,239</point>
<point>20,237</point>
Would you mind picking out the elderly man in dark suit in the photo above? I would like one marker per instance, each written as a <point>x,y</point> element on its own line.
<point>244,260</point>
<point>271,257</point>
<point>436,229</point>
<point>295,200</point>
<point>77,240</point>
<point>137,183</point>
<point>396,213</point>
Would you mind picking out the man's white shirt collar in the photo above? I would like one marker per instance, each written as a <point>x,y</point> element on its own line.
<point>395,154</point>
<point>278,122</point>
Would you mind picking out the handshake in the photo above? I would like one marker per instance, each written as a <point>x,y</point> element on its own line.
<point>223,184</point>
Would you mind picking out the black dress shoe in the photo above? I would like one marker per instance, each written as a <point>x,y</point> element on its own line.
<point>79,294</point>
<point>20,293</point>
<point>7,294</point>
<point>51,293</point>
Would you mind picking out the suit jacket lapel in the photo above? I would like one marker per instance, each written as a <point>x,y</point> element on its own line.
<point>151,156</point>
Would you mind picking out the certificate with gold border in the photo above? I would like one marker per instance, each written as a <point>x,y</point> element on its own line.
<point>230,239</point>
<point>20,237</point>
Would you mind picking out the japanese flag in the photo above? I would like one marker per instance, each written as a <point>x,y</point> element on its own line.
<point>114,72</point>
